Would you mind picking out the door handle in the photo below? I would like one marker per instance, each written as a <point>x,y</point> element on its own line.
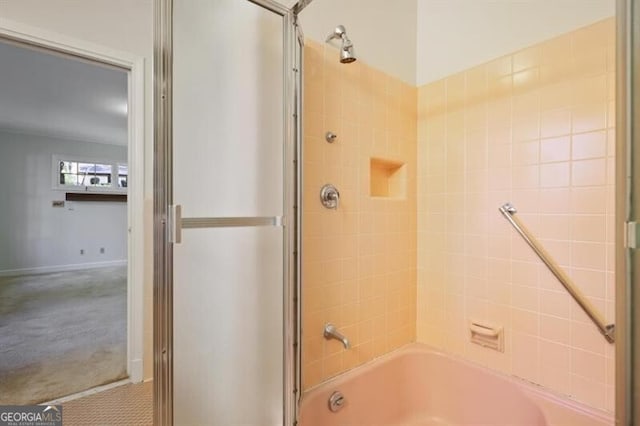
<point>177,223</point>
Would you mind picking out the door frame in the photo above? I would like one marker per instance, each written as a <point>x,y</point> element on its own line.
<point>164,217</point>
<point>627,207</point>
<point>134,67</point>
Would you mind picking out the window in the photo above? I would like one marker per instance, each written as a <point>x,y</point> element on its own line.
<point>123,175</point>
<point>89,175</point>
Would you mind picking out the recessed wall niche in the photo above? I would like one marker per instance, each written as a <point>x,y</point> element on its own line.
<point>388,178</point>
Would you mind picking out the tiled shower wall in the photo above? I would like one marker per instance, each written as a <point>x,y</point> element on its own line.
<point>535,128</point>
<point>359,263</point>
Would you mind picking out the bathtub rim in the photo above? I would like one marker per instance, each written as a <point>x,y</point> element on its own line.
<point>531,390</point>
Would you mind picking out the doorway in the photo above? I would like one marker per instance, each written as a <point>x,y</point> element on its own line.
<point>68,304</point>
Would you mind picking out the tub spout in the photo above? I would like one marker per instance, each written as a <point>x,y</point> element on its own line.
<point>331,332</point>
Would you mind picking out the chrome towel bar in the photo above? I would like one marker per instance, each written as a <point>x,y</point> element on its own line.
<point>607,330</point>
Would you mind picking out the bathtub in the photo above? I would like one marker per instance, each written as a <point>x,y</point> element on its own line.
<point>418,386</point>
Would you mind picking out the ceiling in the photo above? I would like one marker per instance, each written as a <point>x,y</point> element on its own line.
<point>59,96</point>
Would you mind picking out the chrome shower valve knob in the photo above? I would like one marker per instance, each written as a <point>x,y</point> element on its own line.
<point>329,196</point>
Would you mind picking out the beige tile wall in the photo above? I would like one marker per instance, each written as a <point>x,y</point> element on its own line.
<point>534,128</point>
<point>359,262</point>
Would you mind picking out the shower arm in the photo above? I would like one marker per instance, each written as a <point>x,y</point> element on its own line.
<point>339,33</point>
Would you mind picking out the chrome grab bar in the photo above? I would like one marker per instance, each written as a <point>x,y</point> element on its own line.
<point>607,330</point>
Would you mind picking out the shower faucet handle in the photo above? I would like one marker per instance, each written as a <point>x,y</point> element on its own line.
<point>329,196</point>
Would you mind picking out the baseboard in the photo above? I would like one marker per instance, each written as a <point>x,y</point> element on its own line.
<point>135,370</point>
<point>61,268</point>
<point>87,392</point>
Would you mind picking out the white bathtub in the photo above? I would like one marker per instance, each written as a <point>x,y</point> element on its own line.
<point>418,386</point>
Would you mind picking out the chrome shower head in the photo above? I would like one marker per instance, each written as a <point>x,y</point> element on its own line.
<point>346,50</point>
<point>346,53</point>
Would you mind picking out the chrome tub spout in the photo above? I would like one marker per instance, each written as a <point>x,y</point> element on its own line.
<point>331,332</point>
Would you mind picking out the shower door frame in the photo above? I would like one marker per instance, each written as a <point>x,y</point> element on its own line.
<point>163,200</point>
<point>627,207</point>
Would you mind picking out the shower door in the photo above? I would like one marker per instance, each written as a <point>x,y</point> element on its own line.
<point>229,93</point>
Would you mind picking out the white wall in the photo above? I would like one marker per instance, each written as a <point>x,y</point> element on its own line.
<point>420,41</point>
<point>454,35</point>
<point>36,236</point>
<point>383,32</point>
<point>127,26</point>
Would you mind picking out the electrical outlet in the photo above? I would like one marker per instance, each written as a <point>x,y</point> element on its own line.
<point>81,251</point>
<point>101,250</point>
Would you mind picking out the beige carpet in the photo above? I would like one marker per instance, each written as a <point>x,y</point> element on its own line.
<point>61,333</point>
<point>128,405</point>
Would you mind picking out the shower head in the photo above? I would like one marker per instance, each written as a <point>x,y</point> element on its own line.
<point>346,50</point>
<point>346,53</point>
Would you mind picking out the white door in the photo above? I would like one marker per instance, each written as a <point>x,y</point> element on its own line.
<point>232,178</point>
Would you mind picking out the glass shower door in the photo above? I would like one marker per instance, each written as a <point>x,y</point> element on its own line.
<point>232,180</point>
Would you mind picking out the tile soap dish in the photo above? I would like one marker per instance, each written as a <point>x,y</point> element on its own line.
<point>487,335</point>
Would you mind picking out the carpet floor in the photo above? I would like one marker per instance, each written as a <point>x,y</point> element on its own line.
<point>61,333</point>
